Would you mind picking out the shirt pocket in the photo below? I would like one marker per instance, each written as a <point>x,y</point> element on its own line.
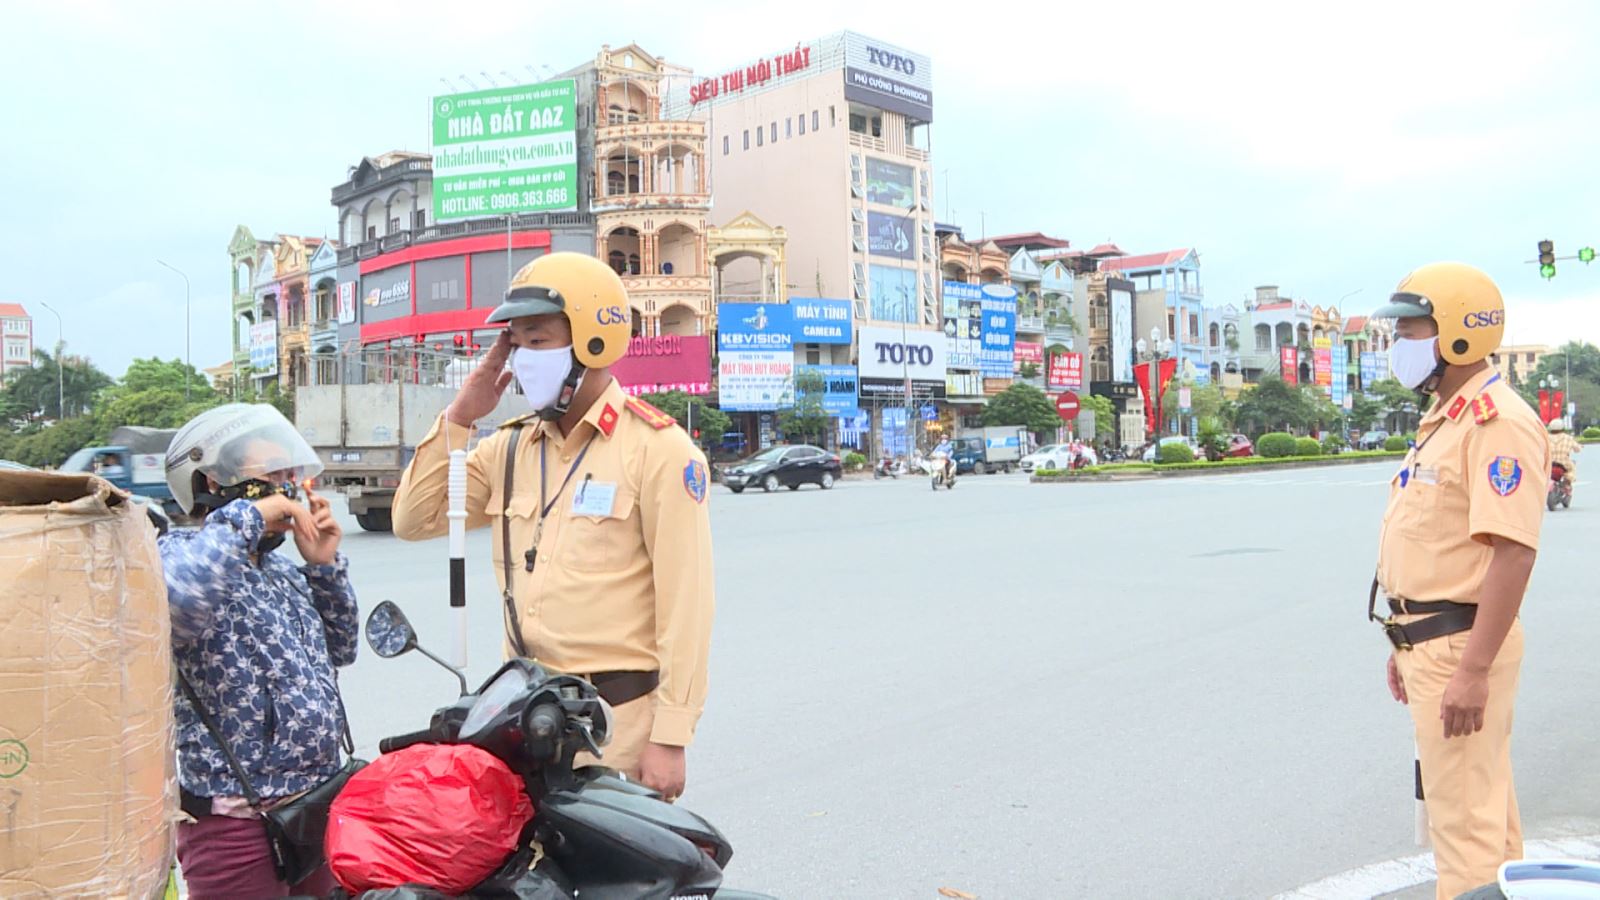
<point>1420,509</point>
<point>520,514</point>
<point>592,543</point>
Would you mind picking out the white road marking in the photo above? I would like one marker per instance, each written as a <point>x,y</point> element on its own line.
<point>1409,871</point>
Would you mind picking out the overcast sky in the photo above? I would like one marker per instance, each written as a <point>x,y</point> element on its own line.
<point>1326,148</point>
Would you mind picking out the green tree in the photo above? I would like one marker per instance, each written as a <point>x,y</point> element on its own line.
<point>710,421</point>
<point>1274,404</point>
<point>1364,411</point>
<point>1105,415</point>
<point>806,417</point>
<point>36,392</point>
<point>1582,386</point>
<point>1025,405</point>
<point>1399,400</point>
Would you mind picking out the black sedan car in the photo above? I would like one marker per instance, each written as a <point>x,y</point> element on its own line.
<point>786,465</point>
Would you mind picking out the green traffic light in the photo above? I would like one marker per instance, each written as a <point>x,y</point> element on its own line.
<point>1586,254</point>
<point>1547,270</point>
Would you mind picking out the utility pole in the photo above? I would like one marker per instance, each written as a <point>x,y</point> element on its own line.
<point>188,357</point>
<point>61,372</point>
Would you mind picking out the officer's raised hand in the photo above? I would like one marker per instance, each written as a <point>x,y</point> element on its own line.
<point>481,391</point>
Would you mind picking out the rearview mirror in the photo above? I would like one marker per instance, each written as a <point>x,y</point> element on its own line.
<point>389,633</point>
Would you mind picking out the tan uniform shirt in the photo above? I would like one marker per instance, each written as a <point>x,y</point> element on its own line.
<point>1562,446</point>
<point>1480,468</point>
<point>623,577</point>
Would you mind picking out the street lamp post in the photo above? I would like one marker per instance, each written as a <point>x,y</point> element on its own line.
<point>1154,352</point>
<point>61,372</point>
<point>188,358</point>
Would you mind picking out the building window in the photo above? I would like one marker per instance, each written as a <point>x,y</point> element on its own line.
<point>761,134</point>
<point>833,118</point>
<point>372,232</point>
<point>802,118</point>
<point>774,132</point>
<point>815,124</point>
<point>788,128</point>
<point>813,355</point>
<point>419,219</point>
<point>724,145</point>
<point>858,123</point>
<point>747,139</point>
<point>394,225</point>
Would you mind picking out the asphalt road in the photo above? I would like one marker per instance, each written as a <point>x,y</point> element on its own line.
<point>1147,689</point>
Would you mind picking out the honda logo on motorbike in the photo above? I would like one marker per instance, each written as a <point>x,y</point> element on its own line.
<point>908,354</point>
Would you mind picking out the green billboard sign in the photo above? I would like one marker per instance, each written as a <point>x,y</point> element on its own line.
<point>505,150</point>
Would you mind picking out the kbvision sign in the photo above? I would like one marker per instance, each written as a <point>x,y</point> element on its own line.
<point>754,326</point>
<point>888,77</point>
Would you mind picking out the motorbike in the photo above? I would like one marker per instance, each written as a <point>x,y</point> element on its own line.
<point>920,465</point>
<point>944,471</point>
<point>1560,493</point>
<point>888,468</point>
<point>593,834</point>
<point>1541,879</point>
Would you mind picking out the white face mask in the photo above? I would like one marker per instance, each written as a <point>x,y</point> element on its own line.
<point>541,373</point>
<point>1412,361</point>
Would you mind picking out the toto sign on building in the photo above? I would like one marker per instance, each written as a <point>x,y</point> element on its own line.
<point>888,356</point>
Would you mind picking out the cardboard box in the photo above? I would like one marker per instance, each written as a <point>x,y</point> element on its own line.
<point>88,787</point>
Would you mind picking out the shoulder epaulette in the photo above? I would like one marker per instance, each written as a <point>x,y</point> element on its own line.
<point>530,418</point>
<point>1483,409</point>
<point>655,417</point>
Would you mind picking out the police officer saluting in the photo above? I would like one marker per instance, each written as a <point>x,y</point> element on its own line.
<point>603,541</point>
<point>1458,543</point>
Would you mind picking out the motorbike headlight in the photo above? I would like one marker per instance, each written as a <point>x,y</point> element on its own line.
<point>493,701</point>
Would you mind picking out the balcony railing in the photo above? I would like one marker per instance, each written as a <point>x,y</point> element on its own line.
<point>1030,323</point>
<point>868,142</point>
<point>638,201</point>
<point>661,130</point>
<point>667,284</point>
<point>449,230</point>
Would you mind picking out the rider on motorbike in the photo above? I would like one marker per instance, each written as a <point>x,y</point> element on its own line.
<point>1562,446</point>
<point>945,453</point>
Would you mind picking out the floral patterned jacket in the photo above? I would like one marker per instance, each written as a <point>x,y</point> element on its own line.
<point>259,644</point>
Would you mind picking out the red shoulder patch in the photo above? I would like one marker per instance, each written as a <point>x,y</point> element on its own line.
<point>1483,409</point>
<point>655,417</point>
<point>608,420</point>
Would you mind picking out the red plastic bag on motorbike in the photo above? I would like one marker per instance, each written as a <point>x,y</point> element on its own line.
<point>441,816</point>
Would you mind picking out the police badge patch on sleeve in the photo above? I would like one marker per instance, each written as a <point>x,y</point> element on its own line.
<point>694,480</point>
<point>1505,474</point>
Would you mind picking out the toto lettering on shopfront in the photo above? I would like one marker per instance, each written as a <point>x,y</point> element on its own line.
<point>892,61</point>
<point>912,354</point>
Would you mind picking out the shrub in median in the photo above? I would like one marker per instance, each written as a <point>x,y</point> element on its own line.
<point>1394,442</point>
<point>1174,453</point>
<point>855,462</point>
<point>1591,433</point>
<point>1307,447</point>
<point>1276,445</point>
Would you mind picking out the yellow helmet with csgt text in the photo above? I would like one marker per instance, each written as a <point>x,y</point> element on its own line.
<point>586,291</point>
<point>1463,302</point>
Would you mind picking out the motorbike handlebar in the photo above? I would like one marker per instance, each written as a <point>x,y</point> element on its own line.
<point>402,741</point>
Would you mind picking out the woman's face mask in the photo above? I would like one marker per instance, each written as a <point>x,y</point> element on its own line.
<point>541,374</point>
<point>1412,360</point>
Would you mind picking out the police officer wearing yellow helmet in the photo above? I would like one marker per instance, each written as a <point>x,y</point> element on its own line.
<point>603,541</point>
<point>1458,543</point>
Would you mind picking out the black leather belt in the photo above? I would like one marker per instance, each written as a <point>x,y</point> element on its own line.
<point>1444,618</point>
<point>617,688</point>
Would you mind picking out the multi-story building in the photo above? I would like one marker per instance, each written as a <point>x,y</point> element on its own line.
<point>650,190</point>
<point>1044,297</point>
<point>829,139</point>
<point>1517,363</point>
<point>1367,343</point>
<point>16,331</point>
<point>961,263</point>
<point>281,300</point>
<point>243,253</point>
<point>1170,298</point>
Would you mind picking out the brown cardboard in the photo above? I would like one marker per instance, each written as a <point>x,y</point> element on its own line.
<point>87,784</point>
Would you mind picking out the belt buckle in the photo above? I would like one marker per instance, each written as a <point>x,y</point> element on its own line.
<point>1396,634</point>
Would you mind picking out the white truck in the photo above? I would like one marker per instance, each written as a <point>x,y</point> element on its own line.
<point>366,426</point>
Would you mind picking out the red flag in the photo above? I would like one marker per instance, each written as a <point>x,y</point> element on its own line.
<point>1544,407</point>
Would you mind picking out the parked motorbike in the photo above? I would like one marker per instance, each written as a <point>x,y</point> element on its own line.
<point>919,465</point>
<point>944,471</point>
<point>888,468</point>
<point>593,833</point>
<point>1560,493</point>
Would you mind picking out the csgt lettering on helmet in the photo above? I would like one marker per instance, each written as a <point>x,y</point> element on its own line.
<point>610,315</point>
<point>1488,318</point>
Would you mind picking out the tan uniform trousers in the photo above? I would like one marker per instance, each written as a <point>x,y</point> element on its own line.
<point>630,731</point>
<point>1466,781</point>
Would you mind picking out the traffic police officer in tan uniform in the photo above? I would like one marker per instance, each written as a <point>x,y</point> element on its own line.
<point>602,538</point>
<point>1458,543</point>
